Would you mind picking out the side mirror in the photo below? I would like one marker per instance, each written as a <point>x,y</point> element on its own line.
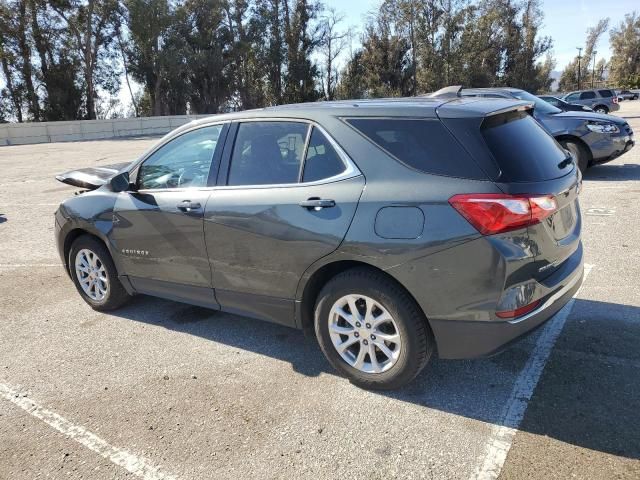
<point>120,183</point>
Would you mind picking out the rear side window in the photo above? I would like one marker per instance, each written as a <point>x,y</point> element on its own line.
<point>322,160</point>
<point>267,153</point>
<point>524,151</point>
<point>587,95</point>
<point>605,93</point>
<point>424,145</point>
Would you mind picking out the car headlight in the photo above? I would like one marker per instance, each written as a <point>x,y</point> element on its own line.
<point>602,127</point>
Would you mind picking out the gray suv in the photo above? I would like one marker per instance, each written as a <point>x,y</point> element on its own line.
<point>601,100</point>
<point>592,138</point>
<point>392,229</point>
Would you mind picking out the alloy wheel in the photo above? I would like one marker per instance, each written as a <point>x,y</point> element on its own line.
<point>364,334</point>
<point>91,275</point>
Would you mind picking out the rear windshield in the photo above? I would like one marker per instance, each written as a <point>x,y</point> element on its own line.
<point>524,151</point>
<point>425,145</point>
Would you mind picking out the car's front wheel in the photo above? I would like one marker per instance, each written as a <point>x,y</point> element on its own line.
<point>579,154</point>
<point>95,275</point>
<point>371,330</point>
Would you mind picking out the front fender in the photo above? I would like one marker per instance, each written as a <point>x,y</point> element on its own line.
<point>92,213</point>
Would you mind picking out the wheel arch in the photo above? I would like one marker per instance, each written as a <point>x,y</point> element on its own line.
<point>579,141</point>
<point>72,235</point>
<point>318,279</point>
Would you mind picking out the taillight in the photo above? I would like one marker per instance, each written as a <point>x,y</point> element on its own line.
<point>518,312</point>
<point>492,213</point>
<point>615,99</point>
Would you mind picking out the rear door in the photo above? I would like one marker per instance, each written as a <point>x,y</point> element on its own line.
<point>532,162</point>
<point>287,197</point>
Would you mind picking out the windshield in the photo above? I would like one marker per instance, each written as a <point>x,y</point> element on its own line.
<point>540,105</point>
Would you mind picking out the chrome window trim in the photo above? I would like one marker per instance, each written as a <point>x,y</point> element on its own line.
<point>168,138</point>
<point>350,168</point>
<point>350,171</point>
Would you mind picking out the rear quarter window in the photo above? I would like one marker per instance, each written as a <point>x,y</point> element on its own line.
<point>605,93</point>
<point>422,144</point>
<point>523,150</point>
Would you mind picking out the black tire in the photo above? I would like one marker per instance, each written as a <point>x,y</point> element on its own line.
<point>116,295</point>
<point>579,153</point>
<point>601,109</point>
<point>415,334</point>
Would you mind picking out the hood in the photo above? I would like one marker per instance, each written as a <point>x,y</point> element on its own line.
<point>596,117</point>
<point>91,177</point>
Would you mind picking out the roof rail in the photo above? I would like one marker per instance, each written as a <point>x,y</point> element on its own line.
<point>452,91</point>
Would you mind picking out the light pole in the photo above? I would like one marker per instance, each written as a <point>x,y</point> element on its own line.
<point>579,65</point>
<point>593,73</point>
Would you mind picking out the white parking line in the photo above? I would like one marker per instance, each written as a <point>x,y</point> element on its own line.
<point>132,463</point>
<point>504,431</point>
<point>23,265</point>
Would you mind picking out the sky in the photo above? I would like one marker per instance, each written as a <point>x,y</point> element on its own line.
<point>565,21</point>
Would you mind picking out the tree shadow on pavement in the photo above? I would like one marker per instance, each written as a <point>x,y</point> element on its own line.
<point>613,172</point>
<point>589,394</point>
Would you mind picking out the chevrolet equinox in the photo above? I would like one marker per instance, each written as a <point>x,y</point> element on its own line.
<point>392,229</point>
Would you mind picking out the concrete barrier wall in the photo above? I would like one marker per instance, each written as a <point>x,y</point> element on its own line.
<point>79,130</point>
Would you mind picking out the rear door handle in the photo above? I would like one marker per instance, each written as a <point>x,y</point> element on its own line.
<point>188,206</point>
<point>317,203</point>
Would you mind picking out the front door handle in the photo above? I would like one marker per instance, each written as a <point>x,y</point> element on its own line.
<point>189,206</point>
<point>317,203</point>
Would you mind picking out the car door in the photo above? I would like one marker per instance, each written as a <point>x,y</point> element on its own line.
<point>286,198</point>
<point>158,226</point>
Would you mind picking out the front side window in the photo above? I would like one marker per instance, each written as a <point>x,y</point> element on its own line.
<point>267,153</point>
<point>572,97</point>
<point>183,162</point>
<point>322,160</point>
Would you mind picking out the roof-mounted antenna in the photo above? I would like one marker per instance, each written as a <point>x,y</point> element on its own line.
<point>452,91</point>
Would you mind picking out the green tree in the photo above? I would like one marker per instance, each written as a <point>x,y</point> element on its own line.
<point>625,45</point>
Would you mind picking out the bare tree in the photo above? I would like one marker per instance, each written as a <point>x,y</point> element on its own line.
<point>333,43</point>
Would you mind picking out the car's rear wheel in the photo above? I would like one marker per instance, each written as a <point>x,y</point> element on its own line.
<point>601,109</point>
<point>95,275</point>
<point>371,330</point>
<point>578,152</point>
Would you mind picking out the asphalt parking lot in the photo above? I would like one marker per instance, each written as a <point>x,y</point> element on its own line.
<point>165,390</point>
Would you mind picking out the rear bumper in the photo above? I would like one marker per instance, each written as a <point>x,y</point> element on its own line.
<point>458,339</point>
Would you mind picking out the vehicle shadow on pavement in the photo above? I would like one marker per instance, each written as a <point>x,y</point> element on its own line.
<point>3,218</point>
<point>588,395</point>
<point>609,172</point>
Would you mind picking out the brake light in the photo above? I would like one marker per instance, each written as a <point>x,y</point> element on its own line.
<point>518,312</point>
<point>492,213</point>
<point>615,99</point>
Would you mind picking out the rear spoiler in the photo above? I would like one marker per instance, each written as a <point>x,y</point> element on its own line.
<point>91,177</point>
<point>469,107</point>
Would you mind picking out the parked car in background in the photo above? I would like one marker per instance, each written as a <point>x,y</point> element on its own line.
<point>453,249</point>
<point>627,94</point>
<point>592,138</point>
<point>602,100</point>
<point>564,106</point>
